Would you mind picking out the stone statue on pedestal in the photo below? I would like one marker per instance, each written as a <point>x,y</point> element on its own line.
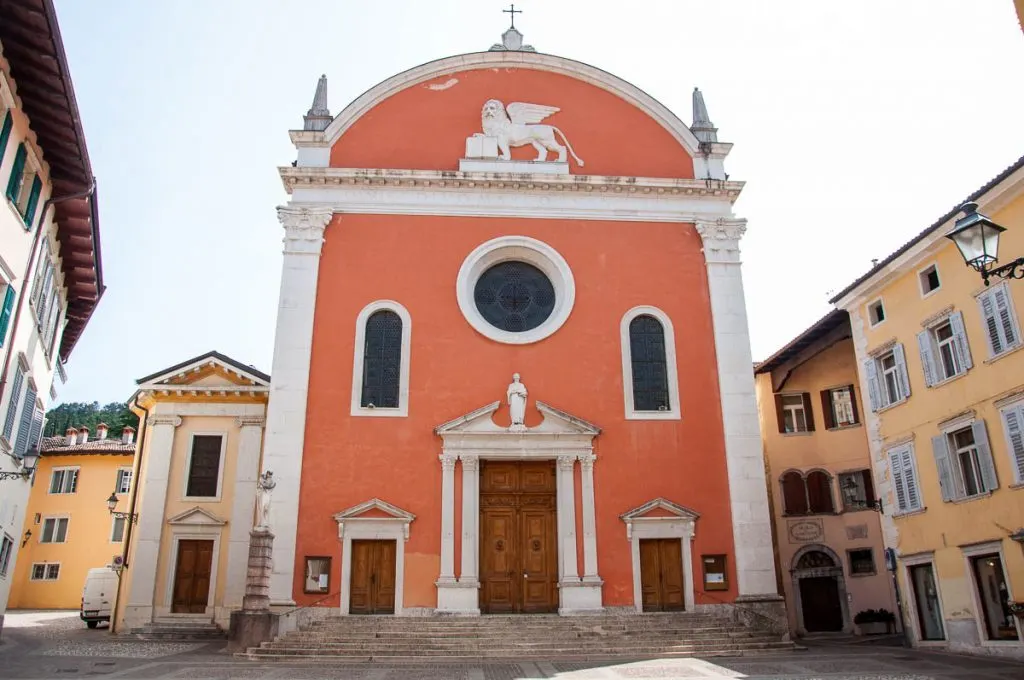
<point>264,486</point>
<point>516,396</point>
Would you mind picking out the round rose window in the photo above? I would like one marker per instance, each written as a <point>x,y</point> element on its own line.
<point>514,296</point>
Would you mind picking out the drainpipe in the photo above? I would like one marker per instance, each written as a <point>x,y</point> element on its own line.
<point>25,288</point>
<point>139,448</point>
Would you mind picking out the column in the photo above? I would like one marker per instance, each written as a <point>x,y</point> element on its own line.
<point>247,471</point>
<point>589,521</point>
<point>470,520</point>
<point>286,412</point>
<point>566,498</point>
<point>149,529</point>
<point>448,519</point>
<point>743,448</point>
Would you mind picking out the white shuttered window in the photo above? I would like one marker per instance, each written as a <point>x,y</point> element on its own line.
<point>964,462</point>
<point>1013,425</point>
<point>945,353</point>
<point>903,473</point>
<point>888,379</point>
<point>997,314</point>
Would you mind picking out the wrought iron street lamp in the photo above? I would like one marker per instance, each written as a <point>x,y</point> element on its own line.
<point>112,507</point>
<point>853,496</point>
<point>977,238</point>
<point>28,466</point>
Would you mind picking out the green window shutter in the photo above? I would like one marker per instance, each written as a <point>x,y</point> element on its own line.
<point>13,184</point>
<point>5,134</point>
<point>33,199</point>
<point>5,314</point>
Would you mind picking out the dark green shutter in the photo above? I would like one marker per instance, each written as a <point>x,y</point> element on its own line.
<point>28,407</point>
<point>19,167</point>
<point>5,314</point>
<point>33,199</point>
<point>5,134</point>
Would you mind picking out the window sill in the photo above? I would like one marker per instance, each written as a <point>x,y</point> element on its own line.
<point>909,513</point>
<point>852,426</point>
<point>380,412</point>
<point>892,405</point>
<point>14,209</point>
<point>653,415</point>
<point>1018,485</point>
<point>866,508</point>
<point>1005,353</point>
<point>863,575</point>
<point>811,514</point>
<point>946,381</point>
<point>805,433</point>
<point>968,499</point>
<point>201,499</point>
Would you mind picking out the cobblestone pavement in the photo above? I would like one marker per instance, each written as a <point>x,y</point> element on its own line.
<point>58,645</point>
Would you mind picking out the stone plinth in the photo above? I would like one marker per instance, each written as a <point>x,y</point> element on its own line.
<point>251,629</point>
<point>257,580</point>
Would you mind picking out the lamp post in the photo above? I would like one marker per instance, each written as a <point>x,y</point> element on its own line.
<point>28,466</point>
<point>977,238</point>
<point>851,490</point>
<point>112,505</point>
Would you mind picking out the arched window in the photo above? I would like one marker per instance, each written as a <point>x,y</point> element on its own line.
<point>650,371</point>
<point>819,492</point>
<point>815,559</point>
<point>380,375</point>
<point>794,493</point>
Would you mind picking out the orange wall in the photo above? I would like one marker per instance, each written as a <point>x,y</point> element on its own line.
<point>415,260</point>
<point>426,129</point>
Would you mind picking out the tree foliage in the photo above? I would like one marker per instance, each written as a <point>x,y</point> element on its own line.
<point>76,414</point>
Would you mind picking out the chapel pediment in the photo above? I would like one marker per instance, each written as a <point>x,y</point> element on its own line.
<point>481,421</point>
<point>659,508</point>
<point>197,517</point>
<point>376,509</point>
<point>213,370</point>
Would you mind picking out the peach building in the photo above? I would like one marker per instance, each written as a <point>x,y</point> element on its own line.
<point>504,382</point>
<point>828,537</point>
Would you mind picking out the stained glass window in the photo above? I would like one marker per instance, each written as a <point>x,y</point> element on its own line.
<point>382,360</point>
<point>650,370</point>
<point>514,296</point>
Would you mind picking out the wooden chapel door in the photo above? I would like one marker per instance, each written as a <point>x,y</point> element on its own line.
<point>661,575</point>
<point>372,587</point>
<point>192,577</point>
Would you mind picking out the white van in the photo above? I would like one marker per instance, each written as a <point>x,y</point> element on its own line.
<point>98,595</point>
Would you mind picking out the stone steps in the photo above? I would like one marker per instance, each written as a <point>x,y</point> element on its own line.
<point>183,630</point>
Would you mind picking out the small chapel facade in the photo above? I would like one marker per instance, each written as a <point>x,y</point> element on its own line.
<point>512,369</point>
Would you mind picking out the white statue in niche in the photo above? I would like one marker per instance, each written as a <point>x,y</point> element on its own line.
<point>516,397</point>
<point>518,127</point>
<point>264,486</point>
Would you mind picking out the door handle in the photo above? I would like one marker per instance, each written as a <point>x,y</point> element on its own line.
<point>525,575</point>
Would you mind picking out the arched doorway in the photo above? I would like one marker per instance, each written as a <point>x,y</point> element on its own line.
<point>820,591</point>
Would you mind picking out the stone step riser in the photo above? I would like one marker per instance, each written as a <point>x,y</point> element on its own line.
<point>597,630</point>
<point>514,654</point>
<point>343,647</point>
<point>641,639</point>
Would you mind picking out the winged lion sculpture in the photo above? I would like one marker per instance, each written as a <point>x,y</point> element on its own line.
<point>519,126</point>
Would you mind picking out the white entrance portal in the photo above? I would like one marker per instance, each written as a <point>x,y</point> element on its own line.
<point>561,437</point>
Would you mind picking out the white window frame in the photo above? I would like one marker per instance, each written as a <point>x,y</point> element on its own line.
<point>922,278</point>
<point>793,410</point>
<point>220,468</point>
<point>871,317</point>
<point>64,470</point>
<point>56,519</point>
<point>980,550</point>
<point>854,415</point>
<point>357,409</point>
<point>674,411</point>
<point>46,570</point>
<point>1018,467</point>
<point>930,348</point>
<point>6,550</point>
<point>959,474</point>
<point>1014,321</point>
<point>883,382</point>
<point>122,472</point>
<point>909,447</point>
<point>918,560</point>
<point>113,528</point>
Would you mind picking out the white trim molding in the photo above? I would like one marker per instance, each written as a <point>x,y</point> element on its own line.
<point>220,466</point>
<point>200,531</point>
<point>359,352</point>
<point>679,523</point>
<point>914,616</point>
<point>981,550</point>
<point>519,249</point>
<point>353,526</point>
<point>673,412</point>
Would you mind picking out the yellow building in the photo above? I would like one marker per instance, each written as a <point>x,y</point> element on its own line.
<point>828,538</point>
<point>200,444</point>
<point>940,364</point>
<point>68,528</point>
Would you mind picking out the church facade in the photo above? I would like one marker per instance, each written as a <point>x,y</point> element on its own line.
<point>512,369</point>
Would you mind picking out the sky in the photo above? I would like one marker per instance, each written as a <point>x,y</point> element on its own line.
<point>856,125</point>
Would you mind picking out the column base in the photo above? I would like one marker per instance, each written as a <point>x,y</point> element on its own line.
<point>461,598</point>
<point>763,612</point>
<point>581,597</point>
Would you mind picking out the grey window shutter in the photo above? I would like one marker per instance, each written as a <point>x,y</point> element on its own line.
<point>1007,317</point>
<point>28,407</point>
<point>988,315</point>
<point>37,428</point>
<point>12,405</point>
<point>902,377</point>
<point>956,322</point>
<point>945,468</point>
<point>924,343</point>
<point>910,478</point>
<point>896,469</point>
<point>1014,420</point>
<point>985,462</point>
<point>872,375</point>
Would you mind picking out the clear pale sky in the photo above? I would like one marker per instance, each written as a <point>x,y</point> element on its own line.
<point>855,125</point>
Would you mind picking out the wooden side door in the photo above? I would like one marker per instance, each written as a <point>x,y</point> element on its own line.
<point>499,566</point>
<point>538,553</point>
<point>372,583</point>
<point>661,575</point>
<point>819,600</point>
<point>383,578</point>
<point>192,577</point>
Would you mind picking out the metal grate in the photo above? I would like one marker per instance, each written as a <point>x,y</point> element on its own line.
<point>382,360</point>
<point>650,372</point>
<point>514,296</point>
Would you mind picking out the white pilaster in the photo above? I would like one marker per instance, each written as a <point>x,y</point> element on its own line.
<point>566,500</point>
<point>462,596</point>
<point>589,520</point>
<point>247,471</point>
<point>448,519</point>
<point>748,495</point>
<point>470,519</point>
<point>148,531</point>
<point>286,412</point>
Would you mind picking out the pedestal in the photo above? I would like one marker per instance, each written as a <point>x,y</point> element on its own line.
<point>257,579</point>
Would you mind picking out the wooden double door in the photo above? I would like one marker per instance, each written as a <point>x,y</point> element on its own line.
<point>518,538</point>
<point>819,600</point>
<point>661,575</point>
<point>192,577</point>
<point>372,588</point>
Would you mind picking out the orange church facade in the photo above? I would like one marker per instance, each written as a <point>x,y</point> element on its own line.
<point>621,466</point>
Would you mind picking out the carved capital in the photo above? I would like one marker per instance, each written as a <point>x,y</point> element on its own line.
<point>447,461</point>
<point>304,228</point>
<point>566,462</point>
<point>470,463</point>
<point>587,462</point>
<point>721,239</point>
<point>173,421</point>
<point>250,421</point>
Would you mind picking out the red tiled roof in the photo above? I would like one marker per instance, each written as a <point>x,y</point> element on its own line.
<point>57,446</point>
